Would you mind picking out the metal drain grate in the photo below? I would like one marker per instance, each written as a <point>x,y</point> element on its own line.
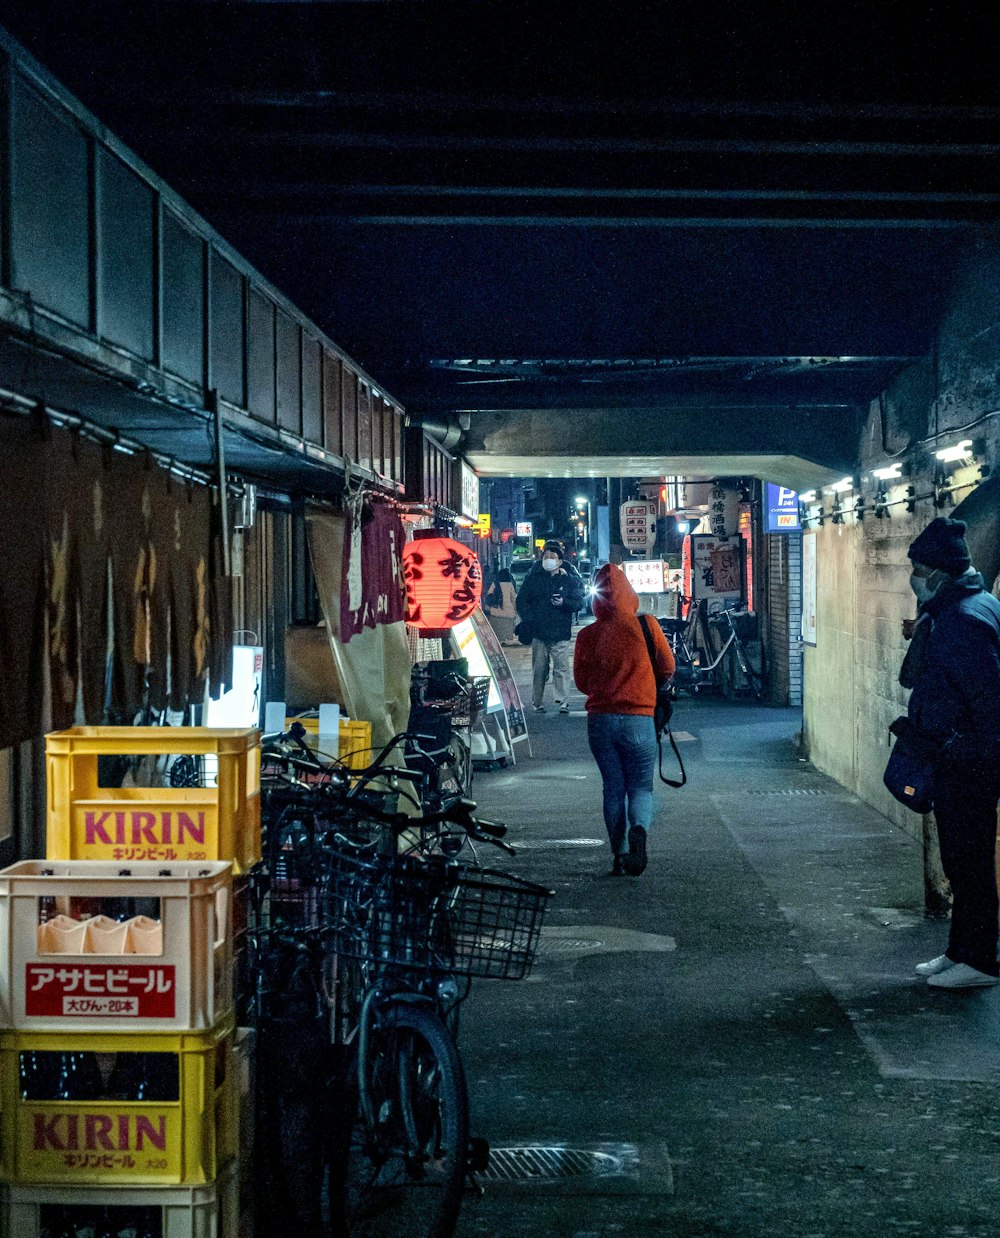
<point>549,844</point>
<point>538,1164</point>
<point>797,791</point>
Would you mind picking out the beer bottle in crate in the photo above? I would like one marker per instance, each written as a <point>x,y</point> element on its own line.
<point>79,1078</point>
<point>37,1076</point>
<point>55,1222</point>
<point>160,1077</point>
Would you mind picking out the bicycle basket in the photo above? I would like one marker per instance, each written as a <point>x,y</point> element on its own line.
<point>427,915</point>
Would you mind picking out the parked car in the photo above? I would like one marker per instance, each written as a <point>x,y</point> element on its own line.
<point>519,568</point>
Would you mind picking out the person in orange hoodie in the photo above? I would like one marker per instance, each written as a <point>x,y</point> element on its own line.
<point>612,668</point>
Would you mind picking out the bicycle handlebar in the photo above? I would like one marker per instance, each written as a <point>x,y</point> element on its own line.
<point>458,812</point>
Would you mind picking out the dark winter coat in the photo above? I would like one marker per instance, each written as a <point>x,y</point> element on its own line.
<point>956,699</point>
<point>534,602</point>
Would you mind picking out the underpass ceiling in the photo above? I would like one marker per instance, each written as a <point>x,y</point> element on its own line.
<point>786,470</point>
<point>499,207</point>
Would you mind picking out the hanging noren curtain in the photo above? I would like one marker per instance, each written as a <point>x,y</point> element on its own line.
<point>109,561</point>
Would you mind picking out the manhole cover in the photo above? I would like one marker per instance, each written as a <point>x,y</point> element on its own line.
<point>547,1164</point>
<point>582,939</point>
<point>549,844</point>
<point>569,945</point>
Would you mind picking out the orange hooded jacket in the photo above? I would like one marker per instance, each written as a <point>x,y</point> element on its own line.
<point>611,663</point>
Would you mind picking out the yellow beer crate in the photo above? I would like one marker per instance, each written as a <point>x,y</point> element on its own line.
<point>145,1109</point>
<point>211,1211</point>
<point>109,947</point>
<point>354,742</point>
<point>164,823</point>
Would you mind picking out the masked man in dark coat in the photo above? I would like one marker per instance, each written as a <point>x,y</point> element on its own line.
<point>551,594</point>
<point>954,715</point>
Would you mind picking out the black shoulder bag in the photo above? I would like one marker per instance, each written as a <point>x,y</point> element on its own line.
<point>664,708</point>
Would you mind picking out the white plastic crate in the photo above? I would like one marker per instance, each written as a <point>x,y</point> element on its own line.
<point>182,1212</point>
<point>161,961</point>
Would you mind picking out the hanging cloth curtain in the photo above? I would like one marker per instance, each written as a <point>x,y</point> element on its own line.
<point>371,652</point>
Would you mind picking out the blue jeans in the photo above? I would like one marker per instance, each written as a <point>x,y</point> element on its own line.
<point>624,747</point>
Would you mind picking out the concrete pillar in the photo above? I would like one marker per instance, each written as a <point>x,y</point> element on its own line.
<point>617,551</point>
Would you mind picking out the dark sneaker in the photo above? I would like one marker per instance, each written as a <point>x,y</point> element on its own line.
<point>618,867</point>
<point>635,861</point>
<point>539,709</point>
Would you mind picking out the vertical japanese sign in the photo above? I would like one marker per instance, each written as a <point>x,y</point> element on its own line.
<point>809,589</point>
<point>717,570</point>
<point>469,482</point>
<point>638,526</point>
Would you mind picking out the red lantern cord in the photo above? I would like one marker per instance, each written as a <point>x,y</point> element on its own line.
<point>444,583</point>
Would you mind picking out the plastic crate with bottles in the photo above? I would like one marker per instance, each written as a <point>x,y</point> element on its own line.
<point>100,1107</point>
<point>211,1211</point>
<point>96,946</point>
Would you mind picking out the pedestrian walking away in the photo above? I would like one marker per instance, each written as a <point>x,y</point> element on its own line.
<point>953,725</point>
<point>501,607</point>
<point>613,668</point>
<point>551,594</point>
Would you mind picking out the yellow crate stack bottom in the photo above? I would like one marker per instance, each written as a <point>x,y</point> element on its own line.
<point>86,821</point>
<point>186,1141</point>
<point>211,1211</point>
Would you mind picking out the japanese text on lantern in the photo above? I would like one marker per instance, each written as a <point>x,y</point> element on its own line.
<point>444,582</point>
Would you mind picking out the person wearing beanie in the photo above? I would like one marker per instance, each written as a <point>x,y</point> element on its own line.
<point>954,718</point>
<point>612,667</point>
<point>551,594</point>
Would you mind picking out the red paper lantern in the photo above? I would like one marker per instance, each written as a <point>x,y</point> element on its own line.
<point>444,583</point>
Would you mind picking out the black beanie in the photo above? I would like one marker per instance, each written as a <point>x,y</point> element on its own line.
<point>942,544</point>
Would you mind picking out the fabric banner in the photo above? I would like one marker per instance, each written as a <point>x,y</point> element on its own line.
<point>372,593</point>
<point>96,539</point>
<point>373,669</point>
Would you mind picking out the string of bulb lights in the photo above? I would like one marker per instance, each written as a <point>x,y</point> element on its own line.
<point>961,456</point>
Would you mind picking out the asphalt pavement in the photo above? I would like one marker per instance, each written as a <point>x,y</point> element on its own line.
<point>734,1043</point>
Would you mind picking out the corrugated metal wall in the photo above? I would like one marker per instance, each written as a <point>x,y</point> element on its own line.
<point>784,602</point>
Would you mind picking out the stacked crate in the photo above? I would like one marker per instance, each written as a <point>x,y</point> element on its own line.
<point>120,1061</point>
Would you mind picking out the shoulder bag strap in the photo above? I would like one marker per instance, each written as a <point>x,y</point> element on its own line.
<point>671,782</point>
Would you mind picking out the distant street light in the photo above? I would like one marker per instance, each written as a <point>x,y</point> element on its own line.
<point>583,502</point>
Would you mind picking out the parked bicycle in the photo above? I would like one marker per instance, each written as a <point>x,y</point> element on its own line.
<point>379,957</point>
<point>688,637</point>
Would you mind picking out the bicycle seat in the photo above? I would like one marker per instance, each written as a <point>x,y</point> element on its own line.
<point>671,627</point>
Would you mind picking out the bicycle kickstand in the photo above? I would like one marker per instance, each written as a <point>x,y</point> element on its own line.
<point>477,1159</point>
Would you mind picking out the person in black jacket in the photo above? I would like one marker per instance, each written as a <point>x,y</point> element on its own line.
<point>954,713</point>
<point>551,594</point>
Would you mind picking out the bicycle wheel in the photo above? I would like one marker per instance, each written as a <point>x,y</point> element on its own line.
<point>404,1177</point>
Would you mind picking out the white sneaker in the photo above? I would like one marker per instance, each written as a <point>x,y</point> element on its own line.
<point>962,976</point>
<point>563,707</point>
<point>935,966</point>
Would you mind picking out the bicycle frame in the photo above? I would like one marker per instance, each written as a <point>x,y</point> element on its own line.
<point>691,675</point>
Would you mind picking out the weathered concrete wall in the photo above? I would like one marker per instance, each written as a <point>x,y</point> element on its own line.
<point>852,691</point>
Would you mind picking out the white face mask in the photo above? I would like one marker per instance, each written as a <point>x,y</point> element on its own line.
<point>550,565</point>
<point>925,587</point>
